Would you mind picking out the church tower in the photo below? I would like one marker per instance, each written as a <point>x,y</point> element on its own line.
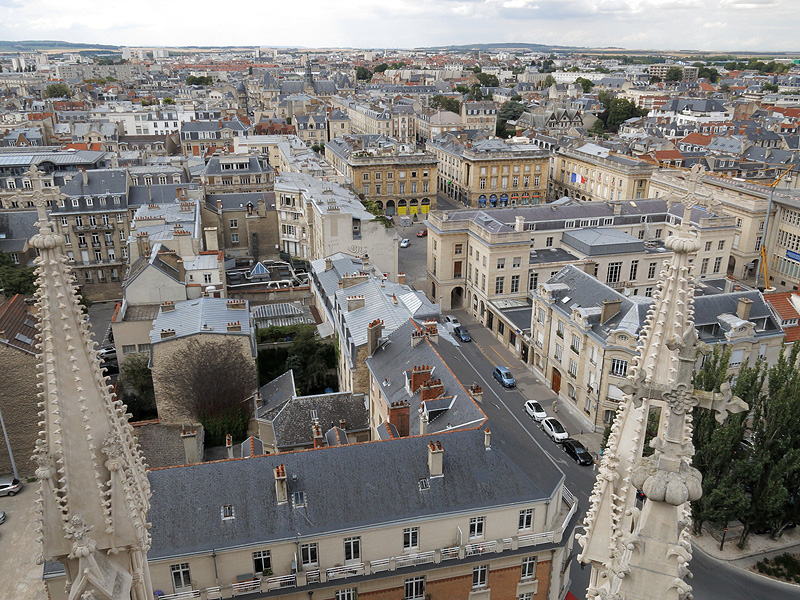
<point>93,495</point>
<point>643,553</point>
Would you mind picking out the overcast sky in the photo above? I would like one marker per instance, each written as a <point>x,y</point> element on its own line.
<point>759,25</point>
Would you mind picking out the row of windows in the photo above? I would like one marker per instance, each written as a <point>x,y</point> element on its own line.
<point>390,175</point>
<point>92,220</point>
<point>526,169</point>
<point>514,182</point>
<point>401,188</point>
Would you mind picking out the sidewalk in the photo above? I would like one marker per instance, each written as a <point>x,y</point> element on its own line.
<point>528,383</point>
<point>758,546</point>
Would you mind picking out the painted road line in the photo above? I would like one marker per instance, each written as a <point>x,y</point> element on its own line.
<point>501,358</point>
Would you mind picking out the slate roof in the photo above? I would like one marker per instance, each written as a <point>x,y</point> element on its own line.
<point>16,228</point>
<point>394,360</point>
<point>201,315</point>
<point>473,479</point>
<point>17,327</point>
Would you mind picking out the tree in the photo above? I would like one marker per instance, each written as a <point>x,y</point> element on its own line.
<point>724,88</point>
<point>381,67</point>
<point>215,379</point>
<point>487,80</point>
<point>16,279</point>
<point>363,73</point>
<point>620,111</point>
<point>57,90</point>
<point>509,111</point>
<point>586,84</point>
<point>462,89</point>
<point>769,87</point>
<point>516,98</point>
<point>169,101</point>
<point>598,128</point>
<point>674,74</point>
<point>446,103</point>
<point>549,81</point>
<point>136,380</point>
<point>201,80</point>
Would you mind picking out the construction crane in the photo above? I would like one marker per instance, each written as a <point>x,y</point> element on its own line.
<point>763,268</point>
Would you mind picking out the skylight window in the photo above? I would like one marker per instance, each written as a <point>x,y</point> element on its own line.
<point>298,499</point>
<point>227,512</point>
<point>565,299</point>
<point>424,484</point>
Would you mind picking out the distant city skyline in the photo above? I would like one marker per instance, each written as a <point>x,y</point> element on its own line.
<point>712,25</point>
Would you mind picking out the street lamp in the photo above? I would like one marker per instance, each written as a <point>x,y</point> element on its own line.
<point>8,445</point>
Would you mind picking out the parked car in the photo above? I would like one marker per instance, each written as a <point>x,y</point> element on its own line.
<point>9,486</point>
<point>2,517</point>
<point>422,233</point>
<point>462,334</point>
<point>535,410</point>
<point>110,367</point>
<point>405,243</point>
<point>107,353</point>
<point>554,429</point>
<point>451,321</point>
<point>577,451</point>
<point>504,376</point>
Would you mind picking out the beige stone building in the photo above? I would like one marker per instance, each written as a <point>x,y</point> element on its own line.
<point>479,258</point>
<point>583,337</point>
<point>490,172</point>
<point>432,124</point>
<point>397,177</point>
<point>479,115</point>
<point>593,173</point>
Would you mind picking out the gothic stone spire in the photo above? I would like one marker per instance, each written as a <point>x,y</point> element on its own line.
<point>645,554</point>
<point>93,496</point>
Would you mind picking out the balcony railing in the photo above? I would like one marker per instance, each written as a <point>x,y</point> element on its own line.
<point>99,227</point>
<point>386,564</point>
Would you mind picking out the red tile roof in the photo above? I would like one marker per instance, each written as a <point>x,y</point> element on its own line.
<point>698,139</point>
<point>782,304</point>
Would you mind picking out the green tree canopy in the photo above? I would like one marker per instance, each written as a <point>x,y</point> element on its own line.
<point>381,67</point>
<point>488,80</point>
<point>169,101</point>
<point>619,111</point>
<point>549,80</point>
<point>674,74</point>
<point>363,74</point>
<point>509,111</point>
<point>16,279</point>
<point>201,80</point>
<point>586,84</point>
<point>136,380</point>
<point>57,90</point>
<point>446,103</point>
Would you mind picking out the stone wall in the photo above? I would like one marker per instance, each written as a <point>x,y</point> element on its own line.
<point>18,402</point>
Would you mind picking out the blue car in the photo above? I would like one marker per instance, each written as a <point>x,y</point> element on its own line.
<point>504,376</point>
<point>462,334</point>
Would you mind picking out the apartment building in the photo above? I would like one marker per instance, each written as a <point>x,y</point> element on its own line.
<point>318,218</point>
<point>660,70</point>
<point>202,138</point>
<point>479,115</point>
<point>365,118</point>
<point>490,172</point>
<point>338,124</point>
<point>746,203</point>
<point>583,337</point>
<point>395,176</point>
<point>593,173</point>
<point>359,303</point>
<point>478,258</point>
<point>237,173</point>
<point>311,128</point>
<point>54,166</point>
<point>245,225</point>
<point>433,124</point>
<point>283,523</point>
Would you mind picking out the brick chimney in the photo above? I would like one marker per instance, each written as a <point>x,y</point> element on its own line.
<point>431,390</point>
<point>401,278</point>
<point>374,333</point>
<point>420,375</point>
<point>609,309</point>
<point>234,326</point>
<point>281,489</point>
<point>167,306</point>
<point>317,432</point>
<point>435,456</point>
<point>743,308</point>
<point>354,303</point>
<point>399,414</point>
<point>165,333</point>
<point>416,338</point>
<point>229,445</point>
<point>476,392</point>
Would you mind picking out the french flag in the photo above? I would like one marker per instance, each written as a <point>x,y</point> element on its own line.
<point>578,178</point>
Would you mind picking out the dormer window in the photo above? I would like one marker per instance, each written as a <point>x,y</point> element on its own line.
<point>298,499</point>
<point>227,512</point>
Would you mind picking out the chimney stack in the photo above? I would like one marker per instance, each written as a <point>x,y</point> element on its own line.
<point>476,392</point>
<point>399,414</point>
<point>519,223</point>
<point>431,390</point>
<point>342,424</point>
<point>189,437</point>
<point>609,309</point>
<point>487,439</point>
<point>281,489</point>
<point>435,456</point>
<point>743,308</point>
<point>229,445</point>
<point>423,420</point>
<point>355,302</point>
<point>401,278</point>
<point>420,375</point>
<point>317,431</point>
<point>328,264</point>
<point>84,176</point>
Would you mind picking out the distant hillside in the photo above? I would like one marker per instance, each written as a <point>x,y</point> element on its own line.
<point>49,46</point>
<point>504,46</point>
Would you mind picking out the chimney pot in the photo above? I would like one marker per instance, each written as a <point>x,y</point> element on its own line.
<point>435,462</point>
<point>487,439</point>
<point>743,308</point>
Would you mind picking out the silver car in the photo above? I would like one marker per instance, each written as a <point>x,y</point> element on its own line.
<point>9,487</point>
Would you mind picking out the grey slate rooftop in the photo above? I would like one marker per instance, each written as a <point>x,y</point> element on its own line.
<point>382,481</point>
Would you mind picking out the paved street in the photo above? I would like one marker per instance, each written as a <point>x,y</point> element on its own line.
<point>100,314</point>
<point>21,577</point>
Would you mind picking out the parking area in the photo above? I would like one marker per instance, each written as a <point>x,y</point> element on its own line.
<point>21,576</point>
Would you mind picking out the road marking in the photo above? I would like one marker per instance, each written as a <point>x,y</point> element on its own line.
<point>494,364</point>
<point>501,357</point>
<point>510,412</point>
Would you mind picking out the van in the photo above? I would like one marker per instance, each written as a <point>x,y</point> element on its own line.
<point>504,376</point>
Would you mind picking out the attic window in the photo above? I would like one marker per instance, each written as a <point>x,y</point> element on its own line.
<point>565,299</point>
<point>314,416</point>
<point>227,512</point>
<point>424,484</point>
<point>298,499</point>
<point>23,338</point>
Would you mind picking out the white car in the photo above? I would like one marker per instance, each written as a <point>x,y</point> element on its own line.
<point>535,410</point>
<point>405,243</point>
<point>554,429</point>
<point>451,322</point>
